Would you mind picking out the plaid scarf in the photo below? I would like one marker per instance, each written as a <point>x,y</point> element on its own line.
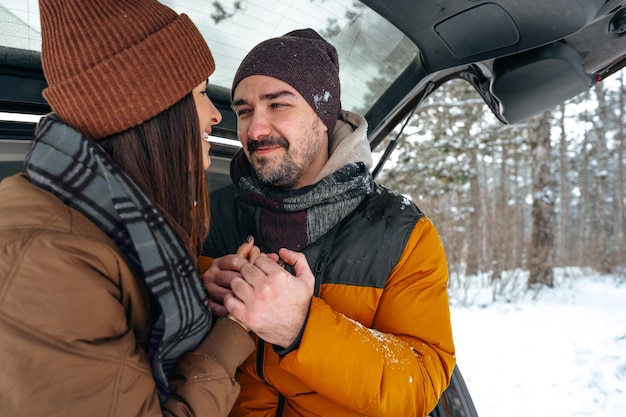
<point>293,219</point>
<point>82,175</point>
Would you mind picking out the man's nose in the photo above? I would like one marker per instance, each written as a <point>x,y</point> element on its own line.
<point>259,126</point>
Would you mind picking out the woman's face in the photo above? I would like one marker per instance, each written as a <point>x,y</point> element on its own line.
<point>208,116</point>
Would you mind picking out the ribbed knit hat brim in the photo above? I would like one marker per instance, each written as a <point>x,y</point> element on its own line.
<point>113,64</point>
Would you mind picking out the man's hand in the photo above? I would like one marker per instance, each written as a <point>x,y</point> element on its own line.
<point>217,279</point>
<point>269,300</point>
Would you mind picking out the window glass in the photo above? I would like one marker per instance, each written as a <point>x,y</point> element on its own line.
<point>19,24</point>
<point>372,52</point>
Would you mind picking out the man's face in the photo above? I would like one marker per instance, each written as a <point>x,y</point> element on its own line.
<point>283,138</point>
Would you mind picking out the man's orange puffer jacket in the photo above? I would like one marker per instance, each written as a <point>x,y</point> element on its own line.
<point>378,339</point>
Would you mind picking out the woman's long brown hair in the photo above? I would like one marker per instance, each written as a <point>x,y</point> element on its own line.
<point>163,156</point>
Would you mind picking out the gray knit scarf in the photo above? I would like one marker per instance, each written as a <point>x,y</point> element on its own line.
<point>295,218</point>
<point>82,175</point>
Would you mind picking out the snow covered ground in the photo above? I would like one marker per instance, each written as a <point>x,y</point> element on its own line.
<point>557,352</point>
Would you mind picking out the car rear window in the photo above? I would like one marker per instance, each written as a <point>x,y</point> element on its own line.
<point>372,52</point>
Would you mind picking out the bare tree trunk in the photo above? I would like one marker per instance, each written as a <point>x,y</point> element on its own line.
<point>542,237</point>
<point>486,215</point>
<point>583,201</point>
<point>564,215</point>
<point>519,215</point>
<point>604,201</point>
<point>474,223</point>
<point>501,230</point>
<point>620,184</point>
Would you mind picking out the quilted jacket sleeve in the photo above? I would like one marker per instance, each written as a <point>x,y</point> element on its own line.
<point>204,381</point>
<point>401,365</point>
<point>74,323</point>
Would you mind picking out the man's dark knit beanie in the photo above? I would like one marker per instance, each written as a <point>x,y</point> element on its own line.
<point>304,60</point>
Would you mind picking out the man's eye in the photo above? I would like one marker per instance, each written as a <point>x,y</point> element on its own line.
<point>242,112</point>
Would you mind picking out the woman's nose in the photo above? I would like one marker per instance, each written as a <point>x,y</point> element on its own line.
<point>216,116</point>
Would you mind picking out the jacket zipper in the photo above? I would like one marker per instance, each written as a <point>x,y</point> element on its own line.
<point>280,407</point>
<point>260,358</point>
<point>319,267</point>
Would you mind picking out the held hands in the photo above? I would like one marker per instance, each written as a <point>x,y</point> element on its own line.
<point>218,277</point>
<point>255,290</point>
<point>267,298</point>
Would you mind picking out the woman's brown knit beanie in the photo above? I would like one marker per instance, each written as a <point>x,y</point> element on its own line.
<point>113,64</point>
<point>305,61</point>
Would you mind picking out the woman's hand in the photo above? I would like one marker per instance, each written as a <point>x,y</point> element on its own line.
<point>270,301</point>
<point>217,279</point>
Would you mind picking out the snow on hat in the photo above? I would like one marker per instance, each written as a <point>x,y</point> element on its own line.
<point>113,64</point>
<point>304,60</point>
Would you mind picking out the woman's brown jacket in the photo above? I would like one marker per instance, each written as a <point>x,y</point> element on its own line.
<point>75,323</point>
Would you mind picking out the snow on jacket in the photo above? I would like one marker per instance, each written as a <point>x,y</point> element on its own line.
<point>75,323</point>
<point>378,339</point>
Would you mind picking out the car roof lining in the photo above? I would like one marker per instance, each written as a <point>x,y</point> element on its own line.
<point>537,80</point>
<point>453,32</point>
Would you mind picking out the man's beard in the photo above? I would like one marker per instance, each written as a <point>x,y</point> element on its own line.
<point>289,169</point>
<point>286,175</point>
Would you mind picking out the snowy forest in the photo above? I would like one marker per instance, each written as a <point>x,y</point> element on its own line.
<point>544,193</point>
